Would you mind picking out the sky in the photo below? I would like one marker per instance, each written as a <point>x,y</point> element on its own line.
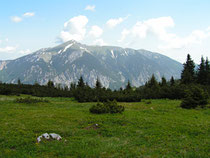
<point>171,27</point>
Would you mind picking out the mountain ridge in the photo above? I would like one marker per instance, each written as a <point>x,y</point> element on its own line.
<point>65,63</point>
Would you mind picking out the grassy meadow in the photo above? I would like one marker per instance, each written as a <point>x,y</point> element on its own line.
<point>151,128</point>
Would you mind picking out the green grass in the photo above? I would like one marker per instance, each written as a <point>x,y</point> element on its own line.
<point>158,129</point>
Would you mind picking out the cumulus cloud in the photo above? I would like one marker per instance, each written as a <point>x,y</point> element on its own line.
<point>8,49</point>
<point>111,23</point>
<point>96,31</point>
<point>176,42</point>
<point>99,42</point>
<point>74,29</point>
<point>158,27</point>
<point>16,19</point>
<point>124,34</point>
<point>28,14</point>
<point>90,7</point>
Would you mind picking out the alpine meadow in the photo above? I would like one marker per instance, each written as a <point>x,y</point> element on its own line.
<point>102,79</point>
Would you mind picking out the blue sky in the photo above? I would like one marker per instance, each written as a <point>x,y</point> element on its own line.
<point>170,27</point>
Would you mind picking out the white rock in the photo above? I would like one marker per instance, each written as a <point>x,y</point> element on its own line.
<point>49,136</point>
<point>55,136</point>
<point>46,136</point>
<point>39,139</point>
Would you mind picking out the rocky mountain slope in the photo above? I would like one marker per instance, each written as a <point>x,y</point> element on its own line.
<point>65,63</point>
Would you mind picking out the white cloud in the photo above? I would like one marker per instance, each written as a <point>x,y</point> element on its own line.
<point>90,7</point>
<point>111,23</point>
<point>176,42</point>
<point>25,15</point>
<point>124,34</point>
<point>99,42</point>
<point>28,14</point>
<point>96,31</point>
<point>25,52</point>
<point>74,29</point>
<point>7,49</point>
<point>16,19</point>
<point>158,28</point>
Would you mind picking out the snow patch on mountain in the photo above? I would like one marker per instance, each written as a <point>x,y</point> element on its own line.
<point>67,47</point>
<point>85,49</point>
<point>112,54</point>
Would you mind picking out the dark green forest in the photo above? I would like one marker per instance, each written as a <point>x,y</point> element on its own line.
<point>192,77</point>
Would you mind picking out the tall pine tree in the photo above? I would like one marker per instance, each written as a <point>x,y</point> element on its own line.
<point>201,74</point>
<point>81,83</point>
<point>172,81</point>
<point>128,86</point>
<point>98,84</point>
<point>207,69</point>
<point>152,83</point>
<point>188,73</point>
<point>163,82</point>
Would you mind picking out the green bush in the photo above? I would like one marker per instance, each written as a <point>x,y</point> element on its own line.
<point>107,107</point>
<point>194,97</point>
<point>114,107</point>
<point>99,108</point>
<point>30,100</point>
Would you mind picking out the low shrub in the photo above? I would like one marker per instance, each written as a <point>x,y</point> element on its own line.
<point>107,107</point>
<point>99,108</point>
<point>30,100</point>
<point>114,107</point>
<point>194,97</point>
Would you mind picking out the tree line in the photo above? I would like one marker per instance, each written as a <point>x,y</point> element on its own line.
<point>173,89</point>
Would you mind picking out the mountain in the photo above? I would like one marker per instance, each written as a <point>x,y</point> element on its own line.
<point>65,63</point>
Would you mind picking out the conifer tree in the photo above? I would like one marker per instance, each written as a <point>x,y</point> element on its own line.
<point>73,86</point>
<point>50,84</point>
<point>172,82</point>
<point>188,73</point>
<point>163,82</point>
<point>201,74</point>
<point>128,86</point>
<point>152,83</point>
<point>81,83</point>
<point>207,70</point>
<point>19,82</point>
<point>98,84</point>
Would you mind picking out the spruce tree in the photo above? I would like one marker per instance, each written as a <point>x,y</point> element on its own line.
<point>163,82</point>
<point>188,73</point>
<point>201,74</point>
<point>207,70</point>
<point>72,86</point>
<point>98,84</point>
<point>19,82</point>
<point>172,82</point>
<point>128,86</point>
<point>152,83</point>
<point>50,84</point>
<point>81,83</point>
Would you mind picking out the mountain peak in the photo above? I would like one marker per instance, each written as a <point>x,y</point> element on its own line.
<point>71,42</point>
<point>65,63</point>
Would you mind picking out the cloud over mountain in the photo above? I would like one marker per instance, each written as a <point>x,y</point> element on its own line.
<point>75,28</point>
